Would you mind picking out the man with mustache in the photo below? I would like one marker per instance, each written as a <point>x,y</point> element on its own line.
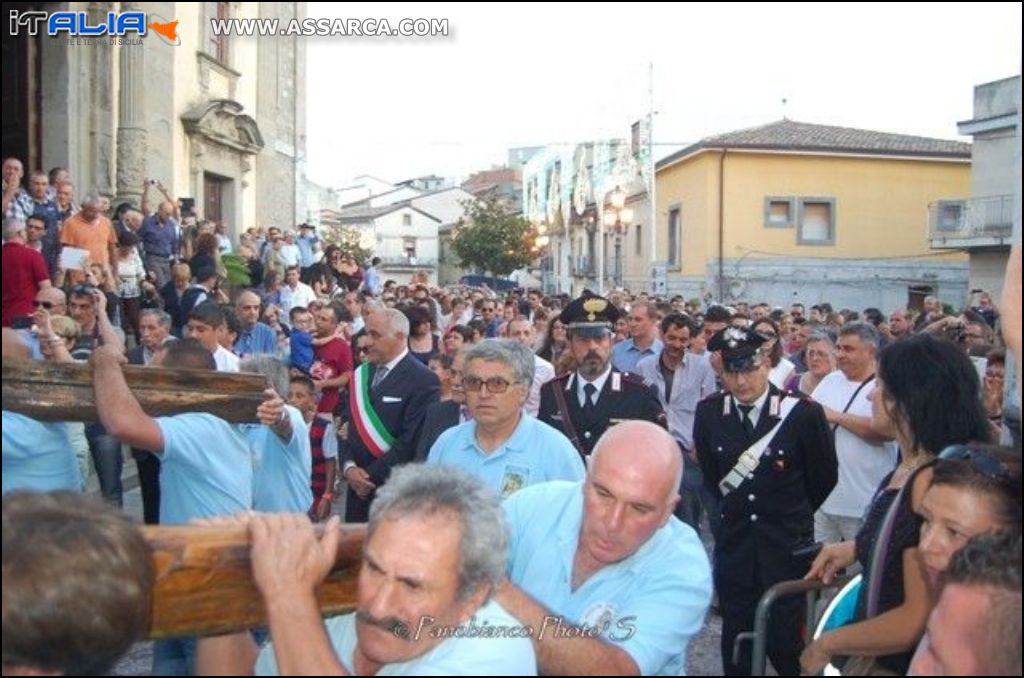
<point>583,404</point>
<point>435,551</point>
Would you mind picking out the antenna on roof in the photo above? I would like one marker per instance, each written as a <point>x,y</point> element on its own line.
<point>784,102</point>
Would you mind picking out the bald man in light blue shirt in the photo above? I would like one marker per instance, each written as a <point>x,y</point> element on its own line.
<point>611,582</point>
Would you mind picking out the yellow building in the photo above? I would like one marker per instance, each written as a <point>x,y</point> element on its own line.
<point>792,212</point>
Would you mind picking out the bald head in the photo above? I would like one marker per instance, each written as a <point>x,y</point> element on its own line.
<point>646,449</point>
<point>55,297</point>
<point>632,486</point>
<point>247,308</point>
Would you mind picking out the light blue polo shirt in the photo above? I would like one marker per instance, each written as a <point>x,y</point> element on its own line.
<point>37,456</point>
<point>206,468</point>
<point>625,354</point>
<point>282,471</point>
<point>480,650</point>
<point>534,453</point>
<point>652,602</point>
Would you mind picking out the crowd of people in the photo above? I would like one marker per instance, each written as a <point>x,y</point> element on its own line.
<point>526,462</point>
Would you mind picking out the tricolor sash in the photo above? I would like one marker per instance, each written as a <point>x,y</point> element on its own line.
<point>371,429</point>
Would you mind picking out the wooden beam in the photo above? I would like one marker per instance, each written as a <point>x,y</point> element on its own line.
<point>204,580</point>
<point>63,391</point>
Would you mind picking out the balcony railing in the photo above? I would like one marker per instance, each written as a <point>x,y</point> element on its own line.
<point>983,220</point>
<point>408,262</point>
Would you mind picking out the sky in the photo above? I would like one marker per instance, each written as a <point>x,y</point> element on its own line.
<point>528,75</point>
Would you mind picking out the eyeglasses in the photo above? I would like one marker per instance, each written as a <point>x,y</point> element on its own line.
<point>48,305</point>
<point>980,460</point>
<point>494,384</point>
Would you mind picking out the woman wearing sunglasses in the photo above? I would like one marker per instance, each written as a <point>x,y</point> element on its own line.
<point>928,396</point>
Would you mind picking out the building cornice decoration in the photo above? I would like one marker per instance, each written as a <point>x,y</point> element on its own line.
<point>222,123</point>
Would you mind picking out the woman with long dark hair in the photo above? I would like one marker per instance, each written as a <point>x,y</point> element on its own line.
<point>927,397</point>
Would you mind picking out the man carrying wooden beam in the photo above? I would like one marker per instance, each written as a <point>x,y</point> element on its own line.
<point>207,463</point>
<point>434,553</point>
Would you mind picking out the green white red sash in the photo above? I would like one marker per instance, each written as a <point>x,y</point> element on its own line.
<point>371,430</point>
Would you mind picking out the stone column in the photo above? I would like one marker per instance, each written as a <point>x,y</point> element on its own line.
<point>131,129</point>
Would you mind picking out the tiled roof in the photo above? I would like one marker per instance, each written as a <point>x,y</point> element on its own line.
<point>789,135</point>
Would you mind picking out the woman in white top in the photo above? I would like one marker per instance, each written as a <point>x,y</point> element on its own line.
<point>130,274</point>
<point>781,368</point>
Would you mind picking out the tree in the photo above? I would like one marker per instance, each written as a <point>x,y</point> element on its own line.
<point>492,238</point>
<point>348,239</point>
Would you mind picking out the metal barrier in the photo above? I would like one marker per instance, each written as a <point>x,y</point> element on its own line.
<point>810,588</point>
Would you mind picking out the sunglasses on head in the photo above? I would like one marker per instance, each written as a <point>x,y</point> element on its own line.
<point>980,460</point>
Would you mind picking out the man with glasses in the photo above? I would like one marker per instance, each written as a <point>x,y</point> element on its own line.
<point>503,445</point>
<point>584,403</point>
<point>492,321</point>
<point>24,274</point>
<point>35,229</point>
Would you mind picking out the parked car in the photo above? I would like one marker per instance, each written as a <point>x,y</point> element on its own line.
<point>496,284</point>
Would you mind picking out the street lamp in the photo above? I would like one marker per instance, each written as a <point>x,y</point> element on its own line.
<point>618,217</point>
<point>541,240</point>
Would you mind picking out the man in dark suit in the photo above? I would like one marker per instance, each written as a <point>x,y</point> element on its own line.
<point>584,403</point>
<point>154,331</point>
<point>443,415</point>
<point>388,398</point>
<point>770,457</point>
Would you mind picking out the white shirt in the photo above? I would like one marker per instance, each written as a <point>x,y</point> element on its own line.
<point>289,255</point>
<point>295,297</point>
<point>225,359</point>
<point>862,465</point>
<point>394,361</point>
<point>543,372</point>
<point>780,373</point>
<point>755,413</point>
<point>598,384</point>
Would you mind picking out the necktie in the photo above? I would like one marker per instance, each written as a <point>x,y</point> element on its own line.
<point>379,375</point>
<point>588,398</point>
<point>748,426</point>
